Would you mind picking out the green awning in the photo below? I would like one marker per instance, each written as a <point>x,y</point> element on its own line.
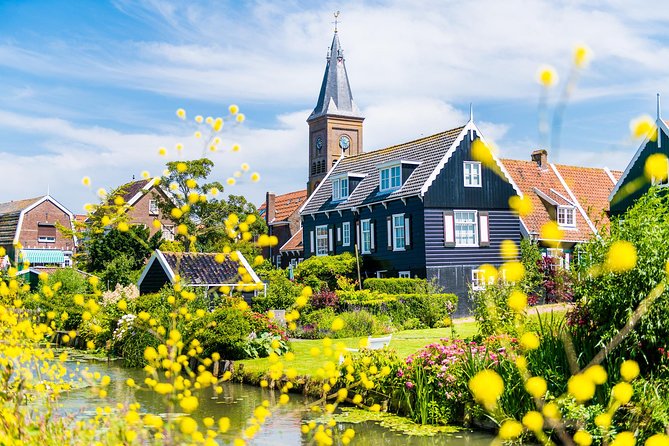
<point>42,256</point>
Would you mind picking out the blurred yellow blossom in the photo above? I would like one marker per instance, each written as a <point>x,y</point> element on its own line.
<point>547,76</point>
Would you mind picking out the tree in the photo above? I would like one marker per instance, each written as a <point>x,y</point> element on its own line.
<point>135,244</point>
<point>204,221</point>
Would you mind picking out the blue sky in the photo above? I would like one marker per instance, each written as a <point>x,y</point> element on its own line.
<point>90,87</point>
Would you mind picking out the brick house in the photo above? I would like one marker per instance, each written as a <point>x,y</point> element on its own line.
<point>143,196</point>
<point>29,231</point>
<point>281,213</point>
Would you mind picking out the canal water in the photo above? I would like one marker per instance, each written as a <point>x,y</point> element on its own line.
<point>238,402</point>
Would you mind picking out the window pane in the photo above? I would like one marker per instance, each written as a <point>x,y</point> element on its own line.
<point>366,236</point>
<point>398,230</point>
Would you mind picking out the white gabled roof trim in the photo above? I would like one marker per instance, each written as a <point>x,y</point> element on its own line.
<point>545,197</point>
<point>562,196</point>
<point>574,200</point>
<point>313,193</point>
<point>660,126</point>
<point>246,265</point>
<point>291,238</point>
<point>470,127</point>
<point>142,192</point>
<point>47,197</point>
<point>610,174</point>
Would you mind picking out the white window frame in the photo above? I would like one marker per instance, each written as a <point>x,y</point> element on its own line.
<point>366,236</point>
<point>322,240</point>
<point>563,212</point>
<point>340,188</point>
<point>458,215</point>
<point>46,239</point>
<point>390,178</point>
<point>399,238</point>
<point>478,280</point>
<point>471,178</point>
<point>559,254</point>
<point>153,207</point>
<point>167,232</point>
<point>346,233</point>
<point>404,274</point>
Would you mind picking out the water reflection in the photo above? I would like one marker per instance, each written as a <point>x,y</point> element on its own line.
<point>238,402</point>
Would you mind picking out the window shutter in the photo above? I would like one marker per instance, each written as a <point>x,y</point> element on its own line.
<point>330,239</point>
<point>484,231</point>
<point>312,242</point>
<point>339,236</point>
<point>372,236</point>
<point>407,232</point>
<point>389,224</point>
<point>449,229</point>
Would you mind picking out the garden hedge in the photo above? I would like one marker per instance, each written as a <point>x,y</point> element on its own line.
<point>396,285</point>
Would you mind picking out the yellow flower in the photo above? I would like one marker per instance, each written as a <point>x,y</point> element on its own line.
<point>533,421</point>
<point>234,109</point>
<point>482,152</point>
<point>145,174</point>
<point>582,438</point>
<point>513,272</point>
<point>642,127</point>
<point>658,440</point>
<point>655,167</point>
<point>597,374</point>
<point>245,167</point>
<point>123,226</point>
<point>582,56</point>
<point>130,382</point>
<point>536,386</point>
<point>622,392</point>
<point>603,420</point>
<point>255,177</point>
<point>627,439</point>
<point>181,113</point>
<point>547,76</point>
<point>517,301</point>
<point>621,257</point>
<point>550,232</point>
<point>508,250</point>
<point>122,305</point>
<point>551,410</point>
<point>181,167</point>
<point>164,388</point>
<point>182,229</point>
<point>230,181</point>
<point>187,425</point>
<point>240,117</point>
<point>86,181</point>
<point>581,387</point>
<point>489,273</point>
<point>337,324</point>
<point>521,205</point>
<point>629,370</point>
<point>189,403</point>
<point>510,430</point>
<point>283,399</point>
<point>217,124</point>
<point>529,341</point>
<point>487,386</point>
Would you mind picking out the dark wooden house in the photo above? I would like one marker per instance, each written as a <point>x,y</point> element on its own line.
<point>425,208</point>
<point>198,270</point>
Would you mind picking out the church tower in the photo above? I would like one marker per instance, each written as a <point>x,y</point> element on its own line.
<point>335,125</point>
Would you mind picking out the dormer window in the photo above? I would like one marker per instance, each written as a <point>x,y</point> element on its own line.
<point>391,178</point>
<point>566,216</point>
<point>340,188</point>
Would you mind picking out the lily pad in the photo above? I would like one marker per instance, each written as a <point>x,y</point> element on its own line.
<point>393,422</point>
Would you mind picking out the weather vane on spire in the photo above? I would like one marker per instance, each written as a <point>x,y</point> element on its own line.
<point>336,20</point>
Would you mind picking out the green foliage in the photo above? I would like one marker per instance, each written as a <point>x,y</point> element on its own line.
<point>607,300</point>
<point>172,246</point>
<point>71,281</point>
<point>396,285</point>
<point>206,218</point>
<point>225,330</point>
<point>326,270</point>
<point>119,271</point>
<point>136,244</point>
<point>281,291</point>
<point>491,310</point>
<point>387,390</point>
<point>530,256</point>
<point>429,309</point>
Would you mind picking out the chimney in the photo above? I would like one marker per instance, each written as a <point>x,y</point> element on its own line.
<point>270,206</point>
<point>541,158</point>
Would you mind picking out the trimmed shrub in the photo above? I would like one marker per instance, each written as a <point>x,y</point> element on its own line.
<point>396,285</point>
<point>281,292</point>
<point>319,270</point>
<point>429,309</point>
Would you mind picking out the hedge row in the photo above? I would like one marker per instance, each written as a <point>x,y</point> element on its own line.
<point>428,308</point>
<point>396,285</point>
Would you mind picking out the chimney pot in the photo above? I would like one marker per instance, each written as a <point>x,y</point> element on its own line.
<point>541,158</point>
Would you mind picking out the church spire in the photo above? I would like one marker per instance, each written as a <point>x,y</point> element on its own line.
<point>335,97</point>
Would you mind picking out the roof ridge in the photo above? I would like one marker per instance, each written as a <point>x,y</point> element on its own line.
<point>414,141</point>
<point>503,160</point>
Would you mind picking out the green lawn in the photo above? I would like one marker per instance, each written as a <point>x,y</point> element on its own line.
<point>403,342</point>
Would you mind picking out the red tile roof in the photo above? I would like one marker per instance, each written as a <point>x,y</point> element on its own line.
<point>294,244</point>
<point>528,176</point>
<point>285,205</point>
